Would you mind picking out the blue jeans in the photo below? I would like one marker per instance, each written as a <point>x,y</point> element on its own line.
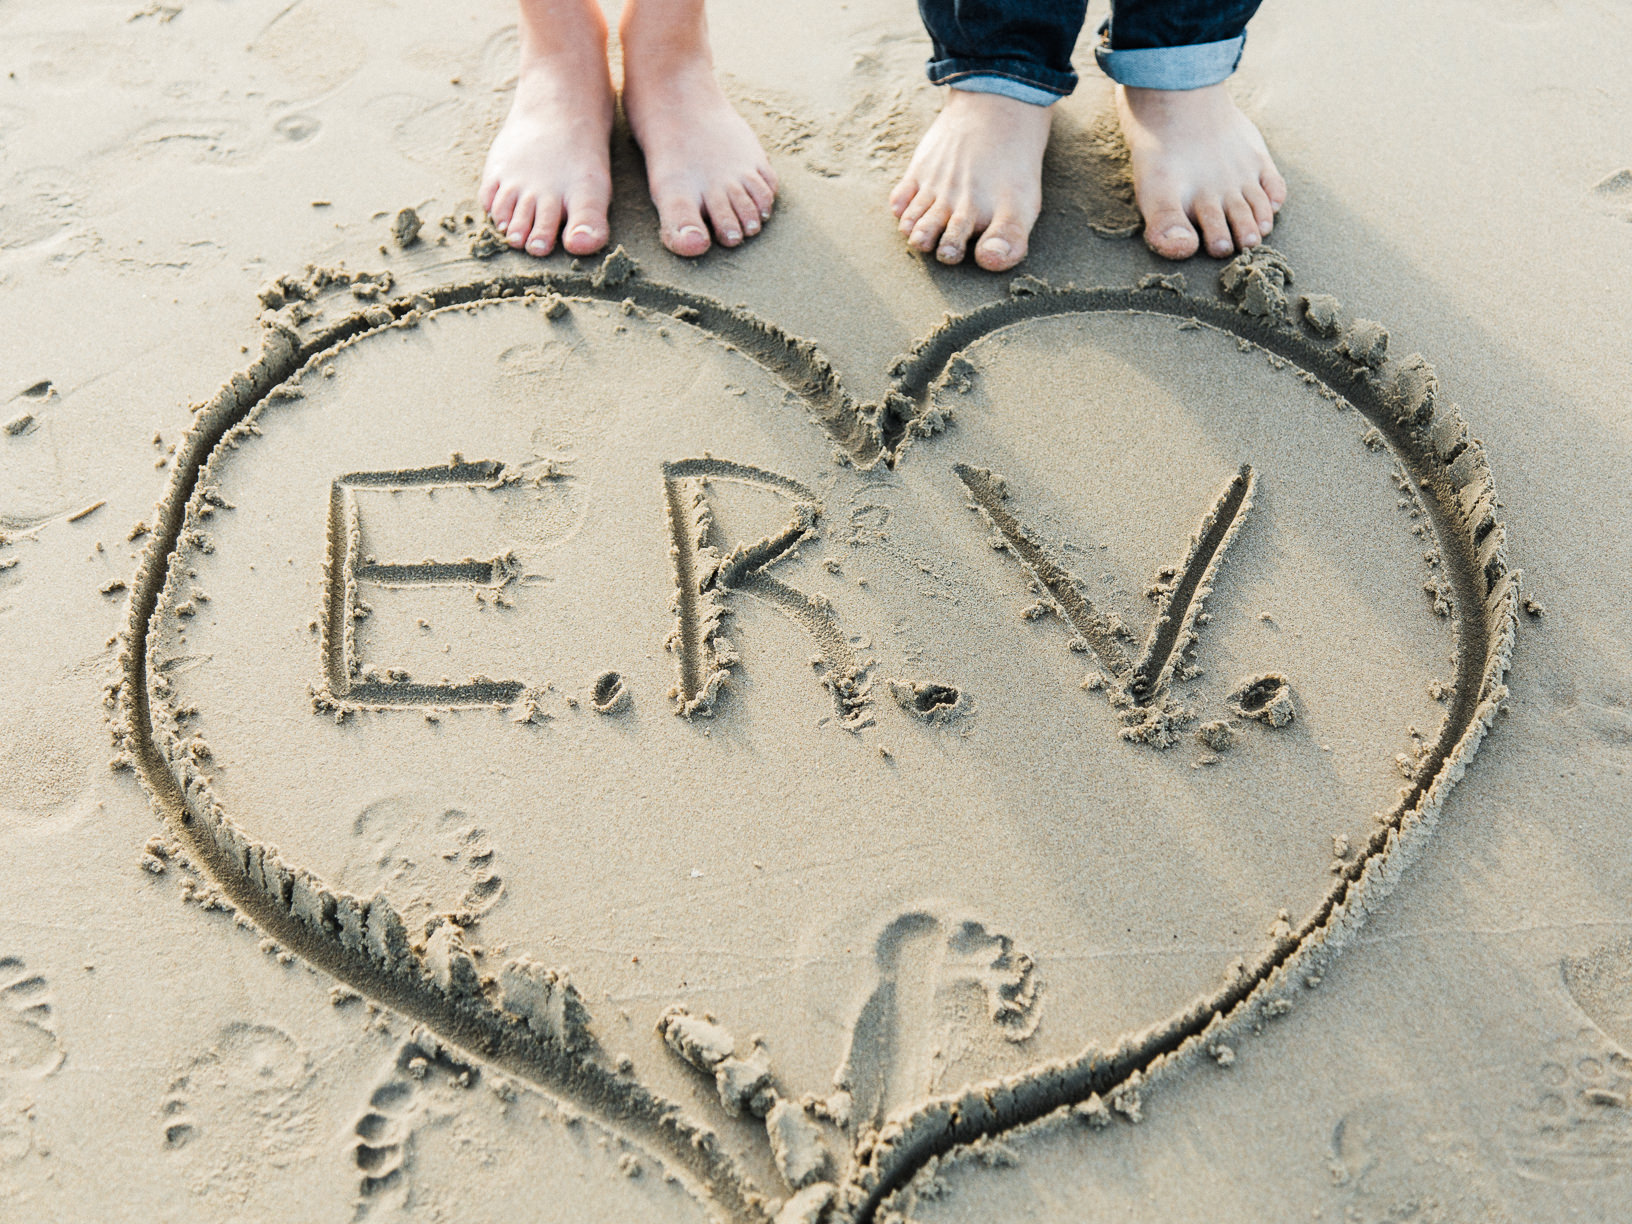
<point>1022,48</point>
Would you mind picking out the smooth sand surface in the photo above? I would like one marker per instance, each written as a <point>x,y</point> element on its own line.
<point>808,730</point>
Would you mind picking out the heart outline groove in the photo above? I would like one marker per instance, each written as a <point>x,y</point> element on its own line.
<point>534,1028</point>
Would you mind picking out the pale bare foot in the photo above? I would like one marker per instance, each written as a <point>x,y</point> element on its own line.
<point>704,166</point>
<point>549,166</point>
<point>977,171</point>
<point>1198,162</point>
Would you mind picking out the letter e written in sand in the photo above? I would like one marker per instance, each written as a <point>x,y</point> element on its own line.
<point>357,535</point>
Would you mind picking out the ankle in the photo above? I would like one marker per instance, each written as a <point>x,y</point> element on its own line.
<point>665,38</point>
<point>566,34</point>
<point>1175,101</point>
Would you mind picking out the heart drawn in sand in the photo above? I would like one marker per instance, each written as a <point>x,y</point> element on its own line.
<point>485,542</point>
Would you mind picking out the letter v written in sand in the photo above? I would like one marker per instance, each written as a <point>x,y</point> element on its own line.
<point>1180,591</point>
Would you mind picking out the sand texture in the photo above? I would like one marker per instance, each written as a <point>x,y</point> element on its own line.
<point>806,734</point>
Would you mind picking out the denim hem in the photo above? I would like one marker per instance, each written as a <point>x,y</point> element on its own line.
<point>1189,67</point>
<point>1006,87</point>
<point>954,71</point>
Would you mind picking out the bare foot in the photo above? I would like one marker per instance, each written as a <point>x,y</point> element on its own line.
<point>977,171</point>
<point>1198,161</point>
<point>549,166</point>
<point>702,160</point>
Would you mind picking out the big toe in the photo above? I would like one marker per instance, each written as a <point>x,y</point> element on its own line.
<point>1004,243</point>
<point>586,230</point>
<point>680,226</point>
<point>1169,233</point>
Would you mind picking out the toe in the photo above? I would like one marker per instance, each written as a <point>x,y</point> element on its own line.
<point>521,221</point>
<point>1263,212</point>
<point>504,206</point>
<point>723,217</point>
<point>927,232</point>
<point>916,207</point>
<point>1274,187</point>
<point>546,224</point>
<point>954,244</point>
<point>587,228</point>
<point>680,226</point>
<point>1004,243</point>
<point>489,189</point>
<point>745,208</point>
<point>762,193</point>
<point>1243,225</point>
<point>1215,229</point>
<point>903,194</point>
<point>1169,233</point>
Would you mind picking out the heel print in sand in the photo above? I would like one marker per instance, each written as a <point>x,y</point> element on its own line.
<point>676,462</point>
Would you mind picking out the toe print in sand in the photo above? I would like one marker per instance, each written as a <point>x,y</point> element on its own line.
<point>707,642</point>
<point>29,1051</point>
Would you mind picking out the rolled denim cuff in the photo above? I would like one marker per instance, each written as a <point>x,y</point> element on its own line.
<point>1006,87</point>
<point>1188,67</point>
<point>1040,80</point>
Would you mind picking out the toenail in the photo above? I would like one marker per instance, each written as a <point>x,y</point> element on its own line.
<point>751,227</point>
<point>536,246</point>
<point>996,247</point>
<point>732,235</point>
<point>582,230</point>
<point>947,252</point>
<point>765,213</point>
<point>1176,233</point>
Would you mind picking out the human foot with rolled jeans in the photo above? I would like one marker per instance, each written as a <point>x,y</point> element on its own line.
<point>548,175</point>
<point>1201,173</point>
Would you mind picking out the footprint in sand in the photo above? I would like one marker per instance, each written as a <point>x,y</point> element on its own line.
<point>384,1133</point>
<point>426,856</point>
<point>432,130</point>
<point>29,1051</point>
<point>951,996</point>
<point>239,1108</point>
<point>1394,1160</point>
<point>39,204</point>
<point>1575,1123</point>
<point>433,1118</point>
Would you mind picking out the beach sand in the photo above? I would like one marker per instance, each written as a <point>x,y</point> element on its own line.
<point>807,733</point>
